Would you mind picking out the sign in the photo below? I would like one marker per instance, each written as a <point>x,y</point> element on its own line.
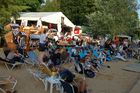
<point>76,31</point>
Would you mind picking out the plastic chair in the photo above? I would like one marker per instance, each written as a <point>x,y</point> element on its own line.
<point>6,81</point>
<point>46,76</point>
<point>54,82</point>
<point>40,76</point>
<point>52,79</point>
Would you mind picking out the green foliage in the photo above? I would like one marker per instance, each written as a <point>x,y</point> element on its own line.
<point>9,8</point>
<point>32,4</point>
<point>136,33</point>
<point>99,17</point>
<point>53,6</point>
<point>76,10</point>
<point>114,17</point>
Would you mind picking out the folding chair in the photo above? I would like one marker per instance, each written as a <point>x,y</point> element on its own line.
<point>12,65</point>
<point>7,62</point>
<point>32,58</point>
<point>6,81</point>
<point>2,90</point>
<point>40,76</point>
<point>46,76</point>
<point>51,79</point>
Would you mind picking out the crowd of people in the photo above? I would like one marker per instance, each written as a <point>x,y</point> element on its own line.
<point>86,56</point>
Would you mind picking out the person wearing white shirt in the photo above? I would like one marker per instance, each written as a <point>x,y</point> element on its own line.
<point>56,38</point>
<point>42,37</point>
<point>42,41</point>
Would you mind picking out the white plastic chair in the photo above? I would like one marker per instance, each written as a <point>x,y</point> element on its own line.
<point>47,80</point>
<point>6,81</point>
<point>40,76</point>
<point>54,82</point>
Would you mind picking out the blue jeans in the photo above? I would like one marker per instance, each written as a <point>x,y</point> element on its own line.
<point>42,46</point>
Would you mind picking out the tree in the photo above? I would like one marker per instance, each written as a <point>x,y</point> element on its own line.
<point>9,8</point>
<point>32,4</point>
<point>76,10</point>
<point>114,17</point>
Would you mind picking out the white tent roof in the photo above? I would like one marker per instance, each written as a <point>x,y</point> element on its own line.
<point>125,36</point>
<point>50,17</point>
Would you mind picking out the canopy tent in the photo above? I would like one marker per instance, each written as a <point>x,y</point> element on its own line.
<point>50,17</point>
<point>125,37</point>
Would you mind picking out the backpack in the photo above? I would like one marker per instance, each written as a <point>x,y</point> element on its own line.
<point>89,73</point>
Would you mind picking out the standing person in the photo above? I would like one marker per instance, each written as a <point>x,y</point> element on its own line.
<point>15,32</point>
<point>21,45</point>
<point>42,41</point>
<point>42,46</point>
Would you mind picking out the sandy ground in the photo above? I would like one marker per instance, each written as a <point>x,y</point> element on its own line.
<point>108,80</point>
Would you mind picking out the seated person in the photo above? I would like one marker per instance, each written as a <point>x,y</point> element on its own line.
<point>68,84</point>
<point>67,79</point>
<point>14,56</point>
<point>88,64</point>
<point>56,57</point>
<point>91,62</point>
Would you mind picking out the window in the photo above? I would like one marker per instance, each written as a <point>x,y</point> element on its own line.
<point>30,23</point>
<point>18,22</point>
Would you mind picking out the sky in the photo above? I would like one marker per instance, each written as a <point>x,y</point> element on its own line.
<point>138,9</point>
